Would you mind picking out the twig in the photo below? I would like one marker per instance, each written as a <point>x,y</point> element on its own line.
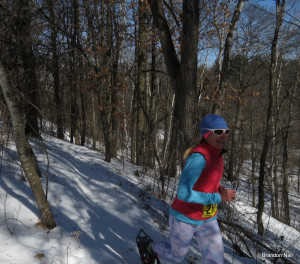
<point>253,239</point>
<point>6,219</point>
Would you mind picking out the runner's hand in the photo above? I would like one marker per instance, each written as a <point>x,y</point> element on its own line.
<point>227,195</point>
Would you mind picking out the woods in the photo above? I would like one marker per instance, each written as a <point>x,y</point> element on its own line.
<point>133,79</point>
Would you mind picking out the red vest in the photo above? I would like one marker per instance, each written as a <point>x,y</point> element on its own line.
<point>208,183</point>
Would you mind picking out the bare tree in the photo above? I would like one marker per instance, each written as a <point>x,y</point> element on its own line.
<point>141,85</point>
<point>280,7</point>
<point>226,58</point>
<point>55,69</point>
<point>30,89</point>
<point>74,58</point>
<point>182,73</point>
<point>24,150</point>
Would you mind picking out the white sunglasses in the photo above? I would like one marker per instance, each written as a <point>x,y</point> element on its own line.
<point>219,131</point>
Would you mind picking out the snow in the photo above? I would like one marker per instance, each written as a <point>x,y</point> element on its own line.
<point>99,208</point>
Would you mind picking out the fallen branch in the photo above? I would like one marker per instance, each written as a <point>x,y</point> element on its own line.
<point>240,230</point>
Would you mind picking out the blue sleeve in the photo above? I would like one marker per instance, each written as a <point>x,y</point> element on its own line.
<point>193,167</point>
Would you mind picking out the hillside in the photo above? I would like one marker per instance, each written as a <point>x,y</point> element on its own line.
<point>100,207</point>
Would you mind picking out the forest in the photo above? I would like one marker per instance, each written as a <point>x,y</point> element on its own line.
<point>133,79</point>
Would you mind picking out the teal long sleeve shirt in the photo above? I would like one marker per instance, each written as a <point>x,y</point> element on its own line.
<point>193,168</point>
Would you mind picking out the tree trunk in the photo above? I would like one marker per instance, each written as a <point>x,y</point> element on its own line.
<point>73,77</point>
<point>29,65</point>
<point>106,92</point>
<point>94,118</point>
<point>285,183</point>
<point>274,182</point>
<point>133,157</point>
<point>24,151</point>
<point>83,118</point>
<point>105,68</point>
<point>234,151</point>
<point>280,6</point>
<point>298,185</point>
<point>116,97</point>
<point>152,107</point>
<point>253,155</point>
<point>285,139</point>
<point>141,87</point>
<point>95,102</point>
<point>226,58</point>
<point>55,72</point>
<point>183,75</point>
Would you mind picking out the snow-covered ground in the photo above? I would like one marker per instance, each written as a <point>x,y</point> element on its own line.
<point>99,208</point>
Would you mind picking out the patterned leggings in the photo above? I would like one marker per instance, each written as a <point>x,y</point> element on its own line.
<point>208,237</point>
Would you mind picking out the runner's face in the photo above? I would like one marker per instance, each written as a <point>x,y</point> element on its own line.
<point>217,142</point>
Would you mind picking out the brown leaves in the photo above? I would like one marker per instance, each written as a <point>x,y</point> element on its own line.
<point>39,256</point>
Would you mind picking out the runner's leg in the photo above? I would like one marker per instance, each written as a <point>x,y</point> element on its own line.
<point>181,235</point>
<point>210,243</point>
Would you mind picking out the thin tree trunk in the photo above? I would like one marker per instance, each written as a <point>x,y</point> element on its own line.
<point>232,160</point>
<point>133,127</point>
<point>83,118</point>
<point>29,65</point>
<point>280,6</point>
<point>153,105</point>
<point>253,157</point>
<point>55,72</point>
<point>227,50</point>
<point>92,36</point>
<point>285,183</point>
<point>142,57</point>
<point>73,78</point>
<point>106,92</point>
<point>275,194</point>
<point>298,186</point>
<point>24,150</point>
<point>285,139</point>
<point>95,123</point>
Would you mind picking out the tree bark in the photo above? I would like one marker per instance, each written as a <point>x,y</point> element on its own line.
<point>285,139</point>
<point>55,72</point>
<point>73,77</point>
<point>280,6</point>
<point>226,57</point>
<point>141,95</point>
<point>25,151</point>
<point>183,74</point>
<point>92,38</point>
<point>29,65</point>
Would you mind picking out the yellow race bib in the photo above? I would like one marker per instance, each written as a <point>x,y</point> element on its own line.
<point>209,210</point>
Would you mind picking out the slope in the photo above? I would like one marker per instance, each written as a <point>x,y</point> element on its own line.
<point>99,207</point>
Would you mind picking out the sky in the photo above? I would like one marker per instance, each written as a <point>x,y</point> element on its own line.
<point>99,208</point>
<point>208,52</point>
